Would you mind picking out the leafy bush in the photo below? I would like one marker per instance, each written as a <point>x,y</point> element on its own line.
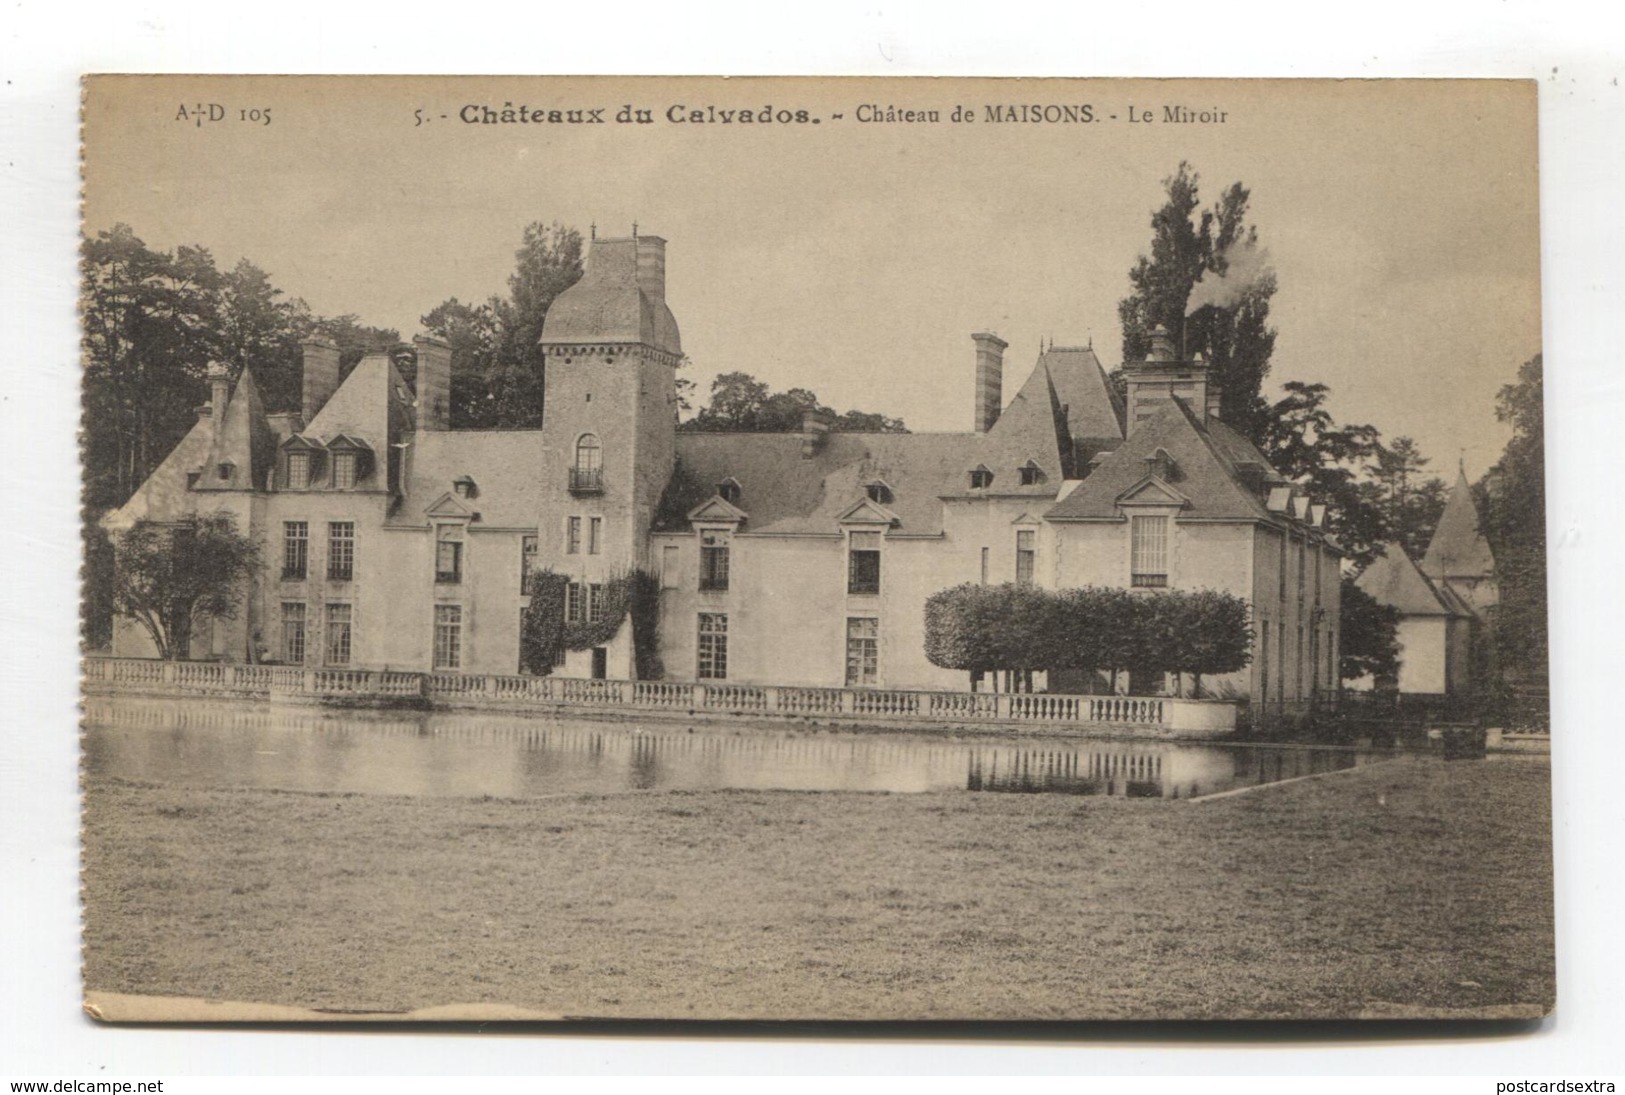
<point>1022,627</point>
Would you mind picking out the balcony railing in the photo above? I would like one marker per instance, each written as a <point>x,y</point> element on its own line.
<point>586,481</point>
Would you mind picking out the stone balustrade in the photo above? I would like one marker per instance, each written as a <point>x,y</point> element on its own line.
<point>1153,716</point>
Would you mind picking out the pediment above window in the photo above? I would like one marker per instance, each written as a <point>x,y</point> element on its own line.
<point>717,509</point>
<point>300,441</point>
<point>346,441</point>
<point>1028,520</point>
<point>449,507</point>
<point>868,512</point>
<point>1153,491</point>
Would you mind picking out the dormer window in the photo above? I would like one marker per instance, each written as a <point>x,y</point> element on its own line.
<point>298,470</point>
<point>344,470</point>
<point>465,487</point>
<point>224,469</point>
<point>1031,474</point>
<point>1160,464</point>
<point>981,477</point>
<point>728,490</point>
<point>879,493</point>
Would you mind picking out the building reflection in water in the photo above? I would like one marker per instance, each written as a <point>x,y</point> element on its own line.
<point>234,744</point>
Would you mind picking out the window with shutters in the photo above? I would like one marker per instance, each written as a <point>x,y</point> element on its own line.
<point>1149,566</point>
<point>1026,555</point>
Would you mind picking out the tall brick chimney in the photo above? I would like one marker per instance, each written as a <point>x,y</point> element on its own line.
<point>815,426</point>
<point>652,267</point>
<point>219,389</point>
<point>433,383</point>
<point>989,379</point>
<point>1161,377</point>
<point>321,376</point>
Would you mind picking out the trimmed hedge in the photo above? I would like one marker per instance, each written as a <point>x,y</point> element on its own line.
<point>1022,627</point>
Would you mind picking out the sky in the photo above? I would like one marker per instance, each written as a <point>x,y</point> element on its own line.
<point>857,258</point>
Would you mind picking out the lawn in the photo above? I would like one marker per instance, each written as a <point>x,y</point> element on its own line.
<point>1411,887</point>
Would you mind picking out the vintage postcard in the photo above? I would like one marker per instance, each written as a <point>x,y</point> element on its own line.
<point>813,549</point>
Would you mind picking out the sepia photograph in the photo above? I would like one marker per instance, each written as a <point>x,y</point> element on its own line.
<point>800,549</point>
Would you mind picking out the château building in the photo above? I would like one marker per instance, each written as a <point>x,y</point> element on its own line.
<point>806,558</point>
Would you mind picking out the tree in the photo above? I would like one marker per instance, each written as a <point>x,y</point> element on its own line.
<point>171,577</point>
<point>498,370</point>
<point>1512,504</point>
<point>1208,281</point>
<point>260,329</point>
<point>1411,504</point>
<point>471,330</point>
<point>1368,634</point>
<point>742,404</point>
<point>150,326</point>
<point>1305,444</point>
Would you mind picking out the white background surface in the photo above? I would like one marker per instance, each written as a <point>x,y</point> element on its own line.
<point>1575,50</point>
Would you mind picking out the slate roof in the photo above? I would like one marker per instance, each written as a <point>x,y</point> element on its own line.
<point>1394,580</point>
<point>607,305</point>
<point>1458,549</point>
<point>782,492</point>
<point>1204,470</point>
<point>1094,412</point>
<point>374,404</point>
<point>163,495</point>
<point>506,466</point>
<point>244,441</point>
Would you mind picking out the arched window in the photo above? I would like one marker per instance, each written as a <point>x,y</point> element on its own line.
<point>589,454</point>
<point>587,476</point>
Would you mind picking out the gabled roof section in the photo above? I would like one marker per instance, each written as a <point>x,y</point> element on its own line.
<point>1394,580</point>
<point>866,512</point>
<point>363,408</point>
<point>717,509</point>
<point>1207,478</point>
<point>1458,549</point>
<point>1152,491</point>
<point>448,505</point>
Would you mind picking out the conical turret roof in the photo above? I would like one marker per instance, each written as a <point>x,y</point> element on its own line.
<point>1458,549</point>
